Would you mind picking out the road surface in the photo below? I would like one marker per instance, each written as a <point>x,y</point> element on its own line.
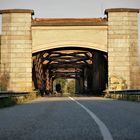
<point>77,118</point>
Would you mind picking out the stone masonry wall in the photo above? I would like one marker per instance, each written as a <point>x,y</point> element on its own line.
<point>16,45</point>
<point>124,69</point>
<point>0,53</point>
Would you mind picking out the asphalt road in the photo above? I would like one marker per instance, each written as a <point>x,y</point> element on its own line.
<point>62,118</point>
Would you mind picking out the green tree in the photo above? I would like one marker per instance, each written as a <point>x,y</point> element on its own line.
<point>62,82</point>
<point>71,87</point>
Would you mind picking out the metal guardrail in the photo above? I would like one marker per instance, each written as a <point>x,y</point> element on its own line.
<point>126,92</point>
<point>5,94</point>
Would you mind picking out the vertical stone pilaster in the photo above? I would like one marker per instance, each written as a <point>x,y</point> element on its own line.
<point>16,46</point>
<point>124,70</point>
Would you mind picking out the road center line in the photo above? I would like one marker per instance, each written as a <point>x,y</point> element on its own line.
<point>104,130</point>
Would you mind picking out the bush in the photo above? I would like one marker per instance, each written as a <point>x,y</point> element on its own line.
<point>71,87</point>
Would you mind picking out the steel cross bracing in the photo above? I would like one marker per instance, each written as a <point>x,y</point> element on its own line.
<point>66,63</point>
<point>87,66</point>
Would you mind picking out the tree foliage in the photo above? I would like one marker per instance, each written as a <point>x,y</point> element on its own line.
<point>62,82</point>
<point>71,87</point>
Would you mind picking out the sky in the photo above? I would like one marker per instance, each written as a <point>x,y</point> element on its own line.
<point>69,8</point>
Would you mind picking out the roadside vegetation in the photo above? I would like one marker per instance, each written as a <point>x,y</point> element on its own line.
<point>7,100</point>
<point>11,100</point>
<point>66,87</point>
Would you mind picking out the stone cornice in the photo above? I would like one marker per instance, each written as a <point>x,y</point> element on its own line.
<point>17,11</point>
<point>121,10</point>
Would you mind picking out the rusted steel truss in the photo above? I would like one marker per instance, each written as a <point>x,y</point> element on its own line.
<point>66,60</point>
<point>87,67</point>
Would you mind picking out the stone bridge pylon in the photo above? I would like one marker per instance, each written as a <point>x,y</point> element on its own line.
<point>16,49</point>
<point>23,37</point>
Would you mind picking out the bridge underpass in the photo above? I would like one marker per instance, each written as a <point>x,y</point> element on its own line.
<point>87,67</point>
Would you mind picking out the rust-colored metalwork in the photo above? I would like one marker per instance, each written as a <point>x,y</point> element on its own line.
<point>87,67</point>
<point>69,22</point>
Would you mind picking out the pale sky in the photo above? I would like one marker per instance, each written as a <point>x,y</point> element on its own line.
<point>69,8</point>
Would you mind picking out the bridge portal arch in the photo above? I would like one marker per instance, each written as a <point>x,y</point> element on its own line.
<point>89,68</point>
<point>70,43</point>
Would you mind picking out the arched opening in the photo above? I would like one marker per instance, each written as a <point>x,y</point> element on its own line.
<point>87,67</point>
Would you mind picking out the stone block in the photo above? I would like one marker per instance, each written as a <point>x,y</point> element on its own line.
<point>123,23</point>
<point>20,15</point>
<point>121,14</point>
<point>28,69</point>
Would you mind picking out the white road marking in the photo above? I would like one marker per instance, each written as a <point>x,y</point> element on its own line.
<point>104,130</point>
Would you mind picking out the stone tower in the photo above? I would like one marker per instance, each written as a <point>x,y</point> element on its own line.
<point>123,60</point>
<point>16,45</point>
